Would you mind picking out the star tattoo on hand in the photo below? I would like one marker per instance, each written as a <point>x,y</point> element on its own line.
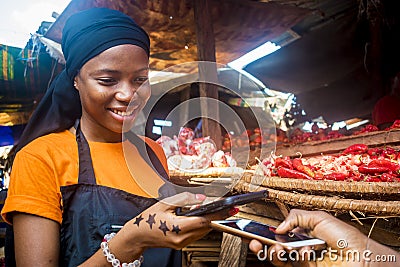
<point>176,229</point>
<point>163,227</point>
<point>138,220</point>
<point>151,220</point>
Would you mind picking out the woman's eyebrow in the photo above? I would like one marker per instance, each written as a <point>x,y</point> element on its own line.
<point>100,71</point>
<point>142,69</point>
<point>117,71</point>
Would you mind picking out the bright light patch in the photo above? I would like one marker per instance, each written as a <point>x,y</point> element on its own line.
<point>21,18</point>
<point>157,130</point>
<point>308,126</point>
<point>351,126</point>
<point>163,123</point>
<point>253,55</point>
<point>337,125</point>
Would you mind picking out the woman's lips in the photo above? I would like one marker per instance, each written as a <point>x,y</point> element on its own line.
<point>123,113</point>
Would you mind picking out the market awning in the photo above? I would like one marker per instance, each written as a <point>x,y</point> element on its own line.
<point>239,26</point>
<point>324,69</point>
<point>336,68</point>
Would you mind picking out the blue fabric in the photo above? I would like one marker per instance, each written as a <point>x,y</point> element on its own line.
<point>6,136</point>
<point>90,32</point>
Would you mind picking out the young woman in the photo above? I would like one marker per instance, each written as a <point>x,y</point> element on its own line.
<point>70,185</point>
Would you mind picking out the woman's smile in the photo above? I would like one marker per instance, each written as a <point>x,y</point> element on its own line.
<point>122,113</point>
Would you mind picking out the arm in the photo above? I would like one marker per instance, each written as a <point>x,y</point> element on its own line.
<point>158,226</point>
<point>36,240</point>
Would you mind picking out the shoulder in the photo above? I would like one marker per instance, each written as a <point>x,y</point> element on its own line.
<point>154,145</point>
<point>49,144</point>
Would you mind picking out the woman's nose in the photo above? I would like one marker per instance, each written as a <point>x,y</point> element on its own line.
<point>125,93</point>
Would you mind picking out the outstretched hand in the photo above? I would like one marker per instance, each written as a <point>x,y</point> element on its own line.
<point>341,240</point>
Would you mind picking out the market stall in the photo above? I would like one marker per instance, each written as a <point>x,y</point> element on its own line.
<point>354,177</point>
<point>309,170</point>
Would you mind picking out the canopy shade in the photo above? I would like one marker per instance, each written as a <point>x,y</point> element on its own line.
<point>324,69</point>
<point>336,69</point>
<point>328,67</point>
<point>239,26</point>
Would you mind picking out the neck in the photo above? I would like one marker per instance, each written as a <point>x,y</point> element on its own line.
<point>99,134</point>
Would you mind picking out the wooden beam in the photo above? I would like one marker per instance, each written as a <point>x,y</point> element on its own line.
<point>233,251</point>
<point>184,114</point>
<point>206,52</point>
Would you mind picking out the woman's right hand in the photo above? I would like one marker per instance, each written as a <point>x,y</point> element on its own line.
<point>159,226</point>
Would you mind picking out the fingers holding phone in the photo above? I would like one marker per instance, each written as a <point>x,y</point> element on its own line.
<point>266,234</point>
<point>159,226</point>
<point>223,204</point>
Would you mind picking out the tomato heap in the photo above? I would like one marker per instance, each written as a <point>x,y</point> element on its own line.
<point>357,162</point>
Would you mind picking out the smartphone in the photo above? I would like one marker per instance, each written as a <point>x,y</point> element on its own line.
<point>224,203</point>
<point>250,229</point>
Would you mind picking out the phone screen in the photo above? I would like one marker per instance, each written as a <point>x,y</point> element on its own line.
<point>264,230</point>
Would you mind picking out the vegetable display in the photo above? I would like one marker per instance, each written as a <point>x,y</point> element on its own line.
<point>357,162</point>
<point>184,152</point>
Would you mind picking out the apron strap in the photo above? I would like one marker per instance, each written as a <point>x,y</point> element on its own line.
<point>147,154</point>
<point>86,172</point>
<point>168,188</point>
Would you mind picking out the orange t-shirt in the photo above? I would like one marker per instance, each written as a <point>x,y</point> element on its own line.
<point>51,161</point>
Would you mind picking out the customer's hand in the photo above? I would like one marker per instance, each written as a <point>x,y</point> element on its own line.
<point>338,235</point>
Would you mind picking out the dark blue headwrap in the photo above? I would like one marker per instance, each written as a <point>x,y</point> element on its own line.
<point>85,35</point>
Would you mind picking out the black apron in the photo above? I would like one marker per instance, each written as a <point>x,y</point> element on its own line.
<point>90,211</point>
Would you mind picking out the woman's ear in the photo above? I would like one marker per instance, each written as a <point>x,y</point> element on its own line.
<point>76,83</point>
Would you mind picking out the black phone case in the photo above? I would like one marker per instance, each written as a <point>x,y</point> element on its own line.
<point>225,203</point>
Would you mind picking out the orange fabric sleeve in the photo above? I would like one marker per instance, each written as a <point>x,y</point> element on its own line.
<point>35,191</point>
<point>46,164</point>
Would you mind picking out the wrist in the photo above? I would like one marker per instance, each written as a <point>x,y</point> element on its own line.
<point>113,259</point>
<point>134,236</point>
<point>380,255</point>
<point>127,242</point>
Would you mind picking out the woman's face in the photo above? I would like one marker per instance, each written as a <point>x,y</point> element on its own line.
<point>113,88</point>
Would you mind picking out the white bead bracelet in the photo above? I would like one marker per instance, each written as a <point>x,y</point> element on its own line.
<point>111,258</point>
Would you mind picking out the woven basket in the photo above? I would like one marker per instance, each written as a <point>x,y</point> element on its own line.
<point>364,190</point>
<point>323,202</point>
<point>209,172</point>
<point>184,178</point>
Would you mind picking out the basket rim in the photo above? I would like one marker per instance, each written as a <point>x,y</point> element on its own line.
<point>358,187</point>
<point>307,201</point>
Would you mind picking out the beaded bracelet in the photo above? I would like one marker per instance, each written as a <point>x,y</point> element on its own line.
<point>111,258</point>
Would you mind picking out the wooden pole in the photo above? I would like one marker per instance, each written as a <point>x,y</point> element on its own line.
<point>233,251</point>
<point>184,114</point>
<point>206,52</point>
